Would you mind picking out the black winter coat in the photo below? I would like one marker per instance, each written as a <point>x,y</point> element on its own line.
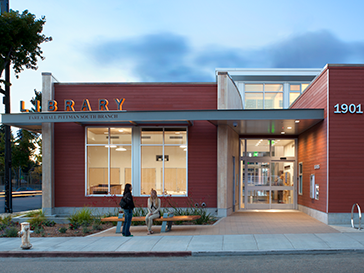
<point>128,198</point>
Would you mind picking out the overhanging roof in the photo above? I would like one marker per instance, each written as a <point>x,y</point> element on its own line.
<point>244,122</point>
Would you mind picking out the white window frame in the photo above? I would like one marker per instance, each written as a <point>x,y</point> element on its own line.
<point>136,158</point>
<point>264,92</point>
<point>108,159</point>
<point>138,192</point>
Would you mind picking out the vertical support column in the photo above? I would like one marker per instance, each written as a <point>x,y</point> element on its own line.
<point>222,168</point>
<point>47,148</point>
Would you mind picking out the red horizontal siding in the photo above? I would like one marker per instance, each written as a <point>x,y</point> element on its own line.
<point>345,139</point>
<point>140,96</point>
<point>69,140</point>
<point>312,145</point>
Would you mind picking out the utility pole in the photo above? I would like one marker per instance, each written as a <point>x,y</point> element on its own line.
<point>6,100</point>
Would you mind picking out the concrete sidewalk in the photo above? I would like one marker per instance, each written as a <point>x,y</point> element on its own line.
<point>245,233</point>
<point>247,244</point>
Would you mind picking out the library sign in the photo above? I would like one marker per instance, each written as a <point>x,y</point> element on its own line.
<point>69,105</point>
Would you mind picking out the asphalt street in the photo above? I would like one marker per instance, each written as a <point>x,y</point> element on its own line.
<point>23,203</point>
<point>336,262</point>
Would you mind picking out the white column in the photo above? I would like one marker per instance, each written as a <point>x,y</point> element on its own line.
<point>47,147</point>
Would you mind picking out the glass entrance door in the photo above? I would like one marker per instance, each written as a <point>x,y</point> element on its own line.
<point>267,181</point>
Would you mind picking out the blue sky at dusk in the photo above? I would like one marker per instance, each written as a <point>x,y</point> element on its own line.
<point>184,41</point>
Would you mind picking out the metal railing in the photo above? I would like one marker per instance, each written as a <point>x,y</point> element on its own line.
<point>352,216</point>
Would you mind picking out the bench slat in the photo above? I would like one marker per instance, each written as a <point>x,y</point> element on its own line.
<point>142,218</point>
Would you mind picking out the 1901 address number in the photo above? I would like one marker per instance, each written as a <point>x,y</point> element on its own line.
<point>344,108</point>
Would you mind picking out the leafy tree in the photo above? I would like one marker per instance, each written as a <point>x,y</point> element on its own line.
<point>20,39</point>
<point>37,97</point>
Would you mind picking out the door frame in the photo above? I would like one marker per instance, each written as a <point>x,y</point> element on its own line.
<point>243,200</point>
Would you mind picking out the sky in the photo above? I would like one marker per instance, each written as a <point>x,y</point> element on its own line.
<point>185,41</point>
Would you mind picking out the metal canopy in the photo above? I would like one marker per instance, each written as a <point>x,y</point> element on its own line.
<point>244,122</point>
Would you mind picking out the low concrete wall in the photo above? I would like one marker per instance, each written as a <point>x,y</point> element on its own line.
<point>329,218</point>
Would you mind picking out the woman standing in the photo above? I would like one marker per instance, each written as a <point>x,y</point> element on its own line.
<point>154,205</point>
<point>128,210</point>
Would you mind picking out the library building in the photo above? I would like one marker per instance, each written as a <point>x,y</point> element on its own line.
<point>255,139</point>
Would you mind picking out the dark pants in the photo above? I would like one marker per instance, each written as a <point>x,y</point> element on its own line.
<point>128,214</point>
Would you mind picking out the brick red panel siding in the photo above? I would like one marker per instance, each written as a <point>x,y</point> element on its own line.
<point>140,96</point>
<point>202,141</point>
<point>345,139</point>
<point>312,145</point>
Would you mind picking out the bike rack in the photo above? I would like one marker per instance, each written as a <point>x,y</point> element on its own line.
<point>352,216</point>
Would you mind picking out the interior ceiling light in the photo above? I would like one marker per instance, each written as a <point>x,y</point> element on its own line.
<point>121,130</point>
<point>297,121</point>
<point>177,133</point>
<point>289,128</point>
<point>106,133</point>
<point>185,149</point>
<point>283,133</point>
<point>183,146</point>
<point>121,149</point>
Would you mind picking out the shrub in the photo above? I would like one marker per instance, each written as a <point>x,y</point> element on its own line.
<point>62,230</point>
<point>37,220</point>
<point>11,232</point>
<point>6,221</point>
<point>96,226</point>
<point>38,230</point>
<point>82,217</point>
<point>48,223</point>
<point>74,226</point>
<point>34,213</point>
<point>85,230</point>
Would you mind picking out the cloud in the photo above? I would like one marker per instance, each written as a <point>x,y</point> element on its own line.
<point>159,57</point>
<point>169,57</point>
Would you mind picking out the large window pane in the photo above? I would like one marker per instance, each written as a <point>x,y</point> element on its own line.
<point>152,136</point>
<point>175,170</point>
<point>152,166</point>
<point>97,135</point>
<point>293,96</point>
<point>253,100</point>
<point>120,171</point>
<point>258,197</point>
<point>97,170</point>
<point>273,101</point>
<point>175,136</point>
<point>257,147</point>
<point>120,135</point>
<point>254,87</point>
<point>258,173</point>
<point>282,197</point>
<point>295,87</point>
<point>273,87</point>
<point>304,86</point>
<point>283,148</point>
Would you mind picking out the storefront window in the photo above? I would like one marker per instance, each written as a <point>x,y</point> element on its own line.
<point>160,154</point>
<point>108,160</point>
<point>164,167</point>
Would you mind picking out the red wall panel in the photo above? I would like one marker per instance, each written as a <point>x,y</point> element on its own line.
<point>312,145</point>
<point>140,96</point>
<point>346,133</point>
<point>69,139</point>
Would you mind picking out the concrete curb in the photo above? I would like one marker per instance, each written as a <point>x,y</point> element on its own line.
<point>113,254</point>
<point>100,254</point>
<point>275,252</point>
